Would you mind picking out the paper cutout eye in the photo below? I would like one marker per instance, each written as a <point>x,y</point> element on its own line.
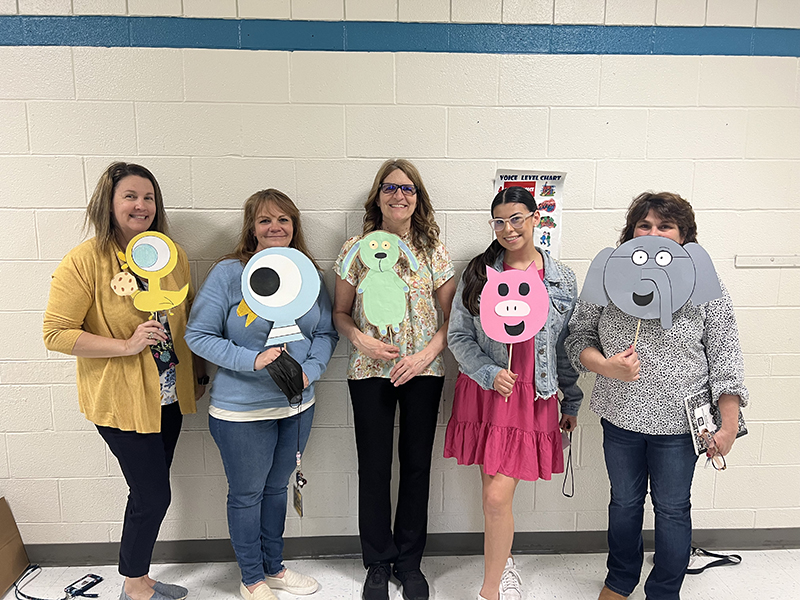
<point>274,280</point>
<point>150,253</point>
<point>373,244</point>
<point>502,289</point>
<point>524,288</point>
<point>639,257</point>
<point>386,245</point>
<point>663,258</point>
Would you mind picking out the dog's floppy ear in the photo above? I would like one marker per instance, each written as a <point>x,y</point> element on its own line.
<point>348,260</point>
<point>412,261</point>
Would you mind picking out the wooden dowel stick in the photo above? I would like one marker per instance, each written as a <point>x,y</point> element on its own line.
<point>510,351</point>
<point>636,337</point>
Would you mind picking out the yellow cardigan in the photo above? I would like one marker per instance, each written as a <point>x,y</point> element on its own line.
<point>121,392</point>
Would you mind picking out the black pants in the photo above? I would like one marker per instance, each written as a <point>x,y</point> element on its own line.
<point>145,459</point>
<point>374,405</point>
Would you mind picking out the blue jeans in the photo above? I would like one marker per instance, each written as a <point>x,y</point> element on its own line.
<point>668,461</point>
<point>259,458</point>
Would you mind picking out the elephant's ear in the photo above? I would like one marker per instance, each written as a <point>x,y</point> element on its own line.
<point>348,260</point>
<point>594,289</point>
<point>706,281</point>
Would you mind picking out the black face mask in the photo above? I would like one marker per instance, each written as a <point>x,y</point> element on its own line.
<point>287,373</point>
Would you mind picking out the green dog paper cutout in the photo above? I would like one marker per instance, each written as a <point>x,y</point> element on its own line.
<point>384,291</point>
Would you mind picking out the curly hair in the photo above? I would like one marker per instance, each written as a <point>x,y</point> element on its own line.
<point>424,230</point>
<point>247,244</point>
<point>668,206</point>
<point>100,210</point>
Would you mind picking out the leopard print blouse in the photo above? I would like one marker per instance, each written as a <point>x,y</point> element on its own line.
<point>700,352</point>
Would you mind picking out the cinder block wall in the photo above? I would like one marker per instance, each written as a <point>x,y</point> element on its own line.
<point>217,125</point>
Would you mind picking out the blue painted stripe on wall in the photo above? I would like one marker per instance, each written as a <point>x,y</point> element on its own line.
<point>256,34</point>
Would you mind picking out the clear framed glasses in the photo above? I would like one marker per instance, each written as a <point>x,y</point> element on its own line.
<point>713,456</point>
<point>517,221</point>
<point>391,188</point>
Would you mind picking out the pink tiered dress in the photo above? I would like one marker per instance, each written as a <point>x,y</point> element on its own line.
<point>519,438</point>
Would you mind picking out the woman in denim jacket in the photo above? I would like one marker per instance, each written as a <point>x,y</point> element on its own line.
<point>507,419</point>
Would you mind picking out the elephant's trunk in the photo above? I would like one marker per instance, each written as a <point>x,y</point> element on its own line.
<point>664,287</point>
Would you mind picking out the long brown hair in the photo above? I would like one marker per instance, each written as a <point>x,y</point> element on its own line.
<point>100,210</point>
<point>670,207</point>
<point>247,244</point>
<point>424,230</point>
<point>475,273</point>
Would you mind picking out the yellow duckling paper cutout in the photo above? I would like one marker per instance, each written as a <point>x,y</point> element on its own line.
<point>152,256</point>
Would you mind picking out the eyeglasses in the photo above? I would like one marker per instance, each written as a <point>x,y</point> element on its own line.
<point>714,457</point>
<point>517,221</point>
<point>391,188</point>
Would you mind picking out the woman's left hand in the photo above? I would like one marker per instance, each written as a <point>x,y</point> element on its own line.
<point>568,423</point>
<point>306,382</point>
<point>408,367</point>
<point>199,390</point>
<point>724,439</point>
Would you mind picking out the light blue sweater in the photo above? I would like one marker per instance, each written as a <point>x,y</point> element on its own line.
<point>216,333</point>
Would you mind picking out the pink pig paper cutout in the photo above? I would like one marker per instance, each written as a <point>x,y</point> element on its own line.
<point>514,304</point>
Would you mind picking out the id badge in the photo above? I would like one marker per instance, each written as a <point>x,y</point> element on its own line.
<point>297,498</point>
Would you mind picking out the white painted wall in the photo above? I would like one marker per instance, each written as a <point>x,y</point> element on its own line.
<point>217,125</point>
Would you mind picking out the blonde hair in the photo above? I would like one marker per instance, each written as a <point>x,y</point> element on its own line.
<point>100,211</point>
<point>247,244</point>
<point>424,230</point>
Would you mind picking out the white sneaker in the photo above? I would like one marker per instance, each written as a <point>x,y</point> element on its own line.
<point>262,592</point>
<point>511,583</point>
<point>294,583</point>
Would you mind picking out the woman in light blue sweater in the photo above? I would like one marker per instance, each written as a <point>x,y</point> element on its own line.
<point>257,431</point>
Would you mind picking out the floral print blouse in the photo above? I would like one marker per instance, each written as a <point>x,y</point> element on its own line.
<point>421,321</point>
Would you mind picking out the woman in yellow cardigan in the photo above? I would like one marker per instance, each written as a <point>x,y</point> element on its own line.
<point>135,374</point>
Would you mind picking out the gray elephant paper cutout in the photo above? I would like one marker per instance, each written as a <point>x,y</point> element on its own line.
<point>650,277</point>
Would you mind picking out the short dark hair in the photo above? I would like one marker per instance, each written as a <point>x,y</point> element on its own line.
<point>670,207</point>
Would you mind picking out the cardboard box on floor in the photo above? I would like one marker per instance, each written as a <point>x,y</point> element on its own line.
<point>13,558</point>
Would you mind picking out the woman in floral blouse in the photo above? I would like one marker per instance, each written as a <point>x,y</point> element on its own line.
<point>403,366</point>
<point>639,394</point>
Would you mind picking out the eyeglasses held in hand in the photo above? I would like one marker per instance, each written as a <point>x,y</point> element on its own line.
<point>391,188</point>
<point>714,457</point>
<point>517,221</point>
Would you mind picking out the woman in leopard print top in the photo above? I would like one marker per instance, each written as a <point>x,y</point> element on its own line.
<point>639,395</point>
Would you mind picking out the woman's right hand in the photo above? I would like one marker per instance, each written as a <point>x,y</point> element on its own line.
<point>504,382</point>
<point>266,357</point>
<point>623,366</point>
<point>148,333</point>
<point>377,349</point>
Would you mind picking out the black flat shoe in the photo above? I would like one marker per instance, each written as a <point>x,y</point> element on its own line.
<point>376,586</point>
<point>415,586</point>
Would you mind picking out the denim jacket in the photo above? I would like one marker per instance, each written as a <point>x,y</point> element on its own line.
<point>480,357</point>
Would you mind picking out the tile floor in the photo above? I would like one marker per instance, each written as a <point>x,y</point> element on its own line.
<point>763,575</point>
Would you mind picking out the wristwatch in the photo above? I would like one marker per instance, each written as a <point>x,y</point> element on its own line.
<point>203,380</point>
